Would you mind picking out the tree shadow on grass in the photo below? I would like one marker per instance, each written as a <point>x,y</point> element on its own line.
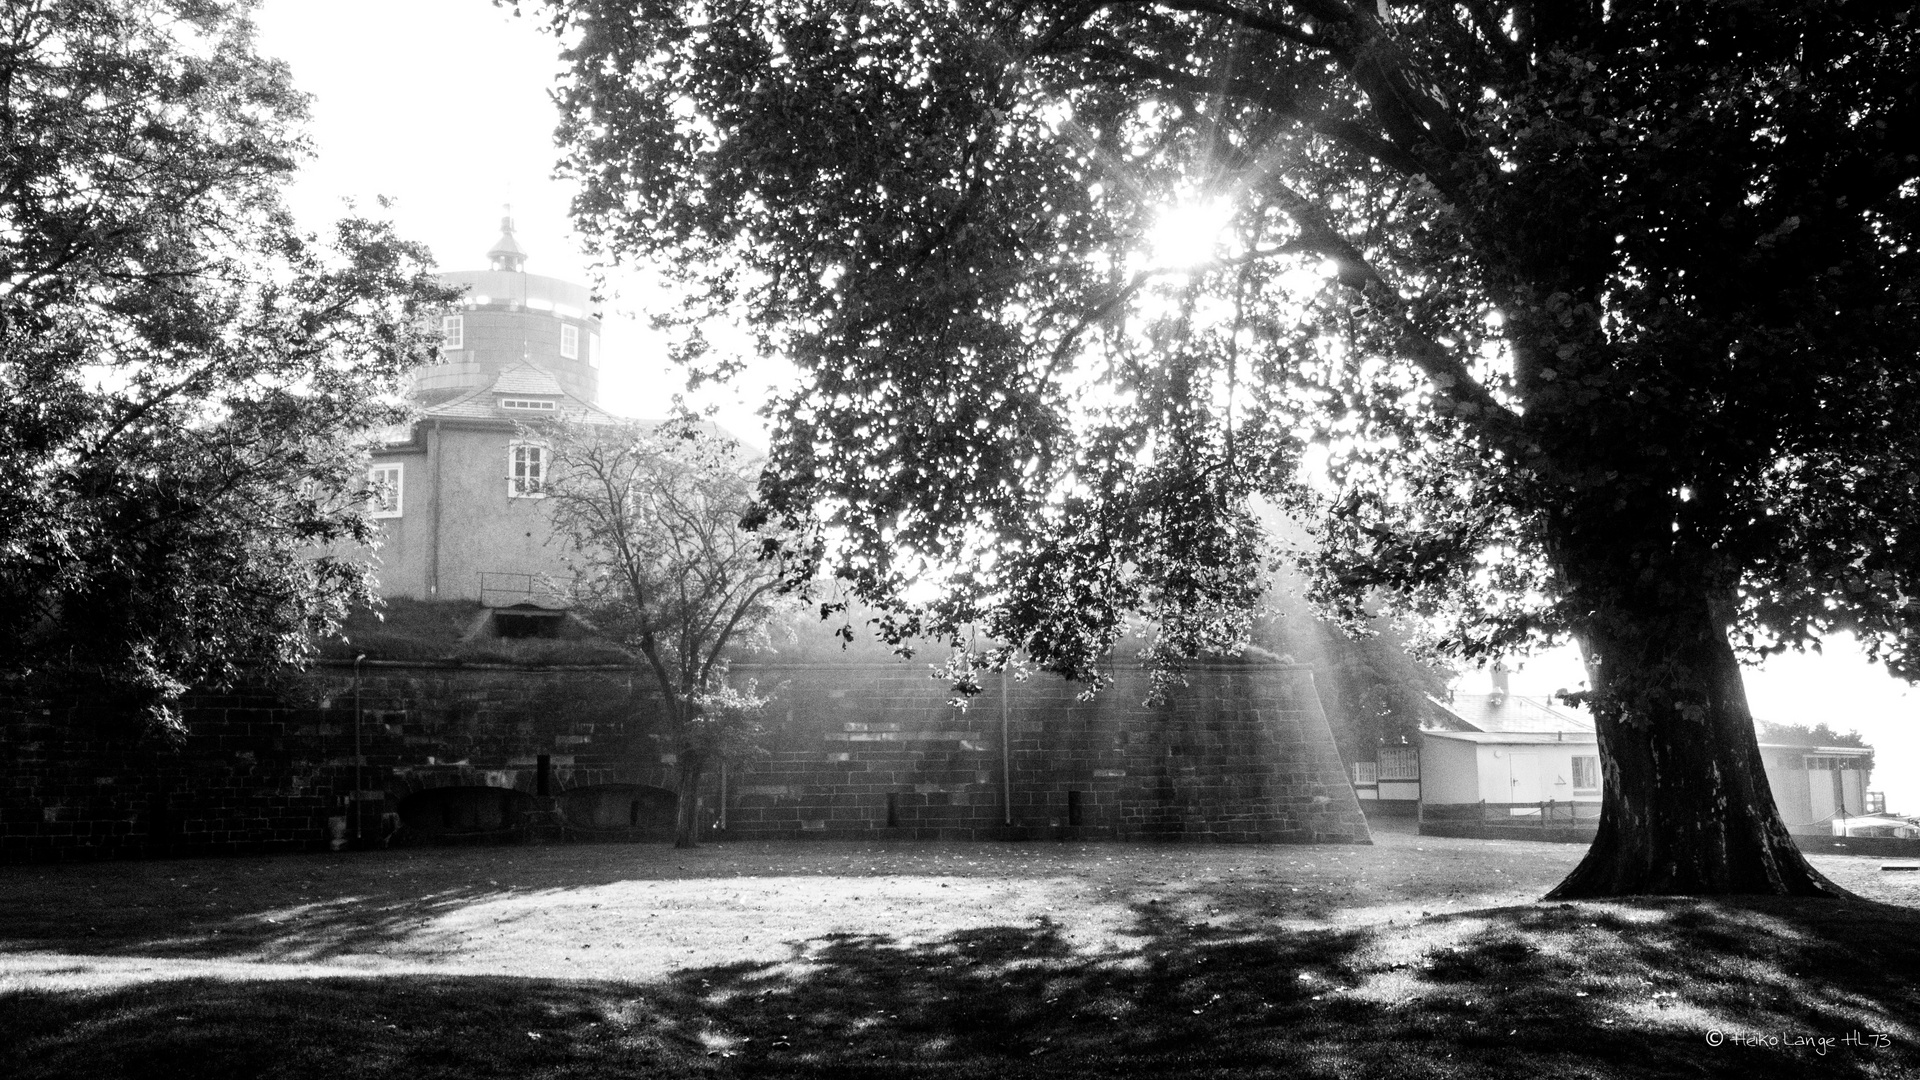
<point>296,907</point>
<point>1618,990</point>
<point>316,930</point>
<point>219,908</point>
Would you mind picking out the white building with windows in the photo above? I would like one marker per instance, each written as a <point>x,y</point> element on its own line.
<point>1518,768</point>
<point>1503,749</point>
<point>460,492</point>
<point>1495,748</point>
<point>1510,748</point>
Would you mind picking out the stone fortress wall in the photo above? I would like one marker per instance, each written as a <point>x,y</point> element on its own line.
<point>854,751</point>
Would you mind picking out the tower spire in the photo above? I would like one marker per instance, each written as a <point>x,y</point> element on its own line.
<point>507,253</point>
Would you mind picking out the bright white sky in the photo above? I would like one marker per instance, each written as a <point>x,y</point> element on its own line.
<point>442,105</point>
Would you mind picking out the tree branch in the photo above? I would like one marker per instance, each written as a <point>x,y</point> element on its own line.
<point>1447,372</point>
<point>1238,16</point>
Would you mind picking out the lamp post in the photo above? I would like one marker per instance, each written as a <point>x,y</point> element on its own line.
<point>358,757</point>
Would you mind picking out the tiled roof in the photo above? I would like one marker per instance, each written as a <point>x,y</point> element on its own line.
<point>527,379</point>
<point>1513,713</point>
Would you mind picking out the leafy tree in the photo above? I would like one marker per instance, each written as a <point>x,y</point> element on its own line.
<point>181,371</point>
<point>664,566</point>
<point>1552,318</point>
<point>1380,689</point>
<point>1374,680</point>
<point>1807,735</point>
<point>1818,734</point>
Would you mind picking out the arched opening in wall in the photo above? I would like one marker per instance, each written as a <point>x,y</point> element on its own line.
<point>463,813</point>
<point>620,809</point>
<point>527,621</point>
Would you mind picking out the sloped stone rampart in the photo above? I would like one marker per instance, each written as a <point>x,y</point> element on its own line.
<point>1243,753</point>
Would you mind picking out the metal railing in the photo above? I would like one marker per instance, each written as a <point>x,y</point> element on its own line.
<point>500,589</point>
<point>1398,763</point>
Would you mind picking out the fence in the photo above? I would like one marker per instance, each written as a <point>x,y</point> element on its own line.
<point>1553,820</point>
<point>1550,813</point>
<point>1395,764</point>
<point>1399,763</point>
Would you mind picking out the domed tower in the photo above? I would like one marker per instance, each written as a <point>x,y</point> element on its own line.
<point>510,317</point>
<point>459,494</point>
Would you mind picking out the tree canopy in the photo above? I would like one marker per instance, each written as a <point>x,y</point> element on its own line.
<point>182,372</point>
<point>1549,319</point>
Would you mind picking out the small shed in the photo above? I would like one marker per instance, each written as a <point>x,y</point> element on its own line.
<point>1512,767</point>
<point>1813,786</point>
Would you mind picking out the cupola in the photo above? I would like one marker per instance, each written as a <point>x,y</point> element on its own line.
<point>506,253</point>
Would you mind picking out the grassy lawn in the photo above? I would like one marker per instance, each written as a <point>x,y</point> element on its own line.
<point>1416,957</point>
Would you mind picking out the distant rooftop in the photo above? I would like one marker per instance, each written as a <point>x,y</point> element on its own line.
<point>1513,738</point>
<point>1509,713</point>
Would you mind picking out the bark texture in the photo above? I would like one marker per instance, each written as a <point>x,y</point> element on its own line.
<point>686,824</point>
<point>1686,806</point>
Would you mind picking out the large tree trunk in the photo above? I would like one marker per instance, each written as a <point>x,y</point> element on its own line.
<point>1686,805</point>
<point>686,823</point>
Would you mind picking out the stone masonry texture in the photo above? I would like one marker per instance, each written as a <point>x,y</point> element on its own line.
<point>853,751</point>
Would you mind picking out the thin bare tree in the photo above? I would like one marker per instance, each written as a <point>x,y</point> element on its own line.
<point>666,564</point>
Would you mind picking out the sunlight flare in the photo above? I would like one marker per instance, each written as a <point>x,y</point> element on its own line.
<point>1189,235</point>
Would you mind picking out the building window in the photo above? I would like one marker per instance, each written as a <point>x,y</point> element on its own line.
<point>570,342</point>
<point>593,350</point>
<point>526,403</point>
<point>526,470</point>
<point>1363,773</point>
<point>453,332</point>
<point>1399,763</point>
<point>1586,773</point>
<point>384,482</point>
